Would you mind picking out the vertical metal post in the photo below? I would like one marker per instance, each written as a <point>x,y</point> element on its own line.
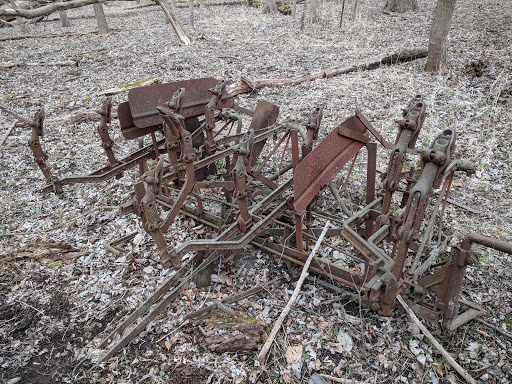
<point>371,172</point>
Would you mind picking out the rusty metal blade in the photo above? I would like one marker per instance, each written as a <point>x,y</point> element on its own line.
<point>321,164</point>
<point>265,115</point>
<point>144,100</point>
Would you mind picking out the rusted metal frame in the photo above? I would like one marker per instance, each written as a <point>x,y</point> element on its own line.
<point>320,165</point>
<point>372,130</point>
<point>188,157</point>
<point>435,161</point>
<point>311,134</point>
<point>409,129</point>
<point>106,142</point>
<point>40,157</point>
<point>272,151</point>
<point>443,194</point>
<point>371,173</point>
<point>221,154</point>
<point>346,276</point>
<point>258,176</point>
<point>381,259</point>
<point>220,244</point>
<point>448,291</point>
<point>209,114</point>
<point>105,173</point>
<point>165,300</point>
<point>152,299</point>
<point>239,177</point>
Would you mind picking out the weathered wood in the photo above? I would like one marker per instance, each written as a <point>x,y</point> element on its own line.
<point>46,36</point>
<point>279,322</point>
<point>48,9</point>
<point>39,64</point>
<point>449,359</point>
<point>247,85</point>
<point>176,25</point>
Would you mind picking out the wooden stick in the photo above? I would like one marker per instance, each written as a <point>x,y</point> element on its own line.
<point>176,25</point>
<point>6,135</point>
<point>449,359</point>
<point>39,64</point>
<point>46,35</point>
<point>247,85</point>
<point>277,325</point>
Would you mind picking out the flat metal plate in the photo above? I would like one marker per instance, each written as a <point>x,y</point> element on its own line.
<point>128,129</point>
<point>144,100</point>
<point>265,115</point>
<point>329,156</point>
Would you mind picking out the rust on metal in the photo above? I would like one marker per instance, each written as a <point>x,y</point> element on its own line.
<point>261,182</point>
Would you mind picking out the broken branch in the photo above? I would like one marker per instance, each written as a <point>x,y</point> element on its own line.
<point>247,85</point>
<point>303,275</point>
<point>449,359</point>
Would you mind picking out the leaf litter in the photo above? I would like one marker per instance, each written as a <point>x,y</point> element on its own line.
<point>53,314</point>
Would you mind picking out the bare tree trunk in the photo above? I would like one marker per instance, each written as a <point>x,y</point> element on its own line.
<point>270,7</point>
<point>101,20</point>
<point>436,60</point>
<point>313,14</point>
<point>342,12</point>
<point>354,10</point>
<point>191,13</point>
<point>400,5</point>
<point>64,21</point>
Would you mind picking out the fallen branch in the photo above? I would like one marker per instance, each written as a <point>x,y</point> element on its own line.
<point>41,63</point>
<point>6,135</point>
<point>247,85</point>
<point>124,88</point>
<point>284,313</point>
<point>449,359</point>
<point>47,9</point>
<point>46,36</point>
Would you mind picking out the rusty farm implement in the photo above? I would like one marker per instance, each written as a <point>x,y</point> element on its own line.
<point>270,183</point>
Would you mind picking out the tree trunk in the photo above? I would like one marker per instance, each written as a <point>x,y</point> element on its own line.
<point>270,7</point>
<point>64,21</point>
<point>400,5</point>
<point>436,60</point>
<point>100,19</point>
<point>354,10</point>
<point>191,13</point>
<point>313,14</point>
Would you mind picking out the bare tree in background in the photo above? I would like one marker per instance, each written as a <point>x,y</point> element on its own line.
<point>64,21</point>
<point>400,5</point>
<point>191,13</point>
<point>313,11</point>
<point>101,19</point>
<point>436,60</point>
<point>270,7</point>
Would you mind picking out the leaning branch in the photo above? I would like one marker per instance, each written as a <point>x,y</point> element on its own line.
<point>247,85</point>
<point>284,313</point>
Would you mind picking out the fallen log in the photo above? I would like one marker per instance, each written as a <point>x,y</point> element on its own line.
<point>46,36</point>
<point>40,64</point>
<point>248,85</point>
<point>47,9</point>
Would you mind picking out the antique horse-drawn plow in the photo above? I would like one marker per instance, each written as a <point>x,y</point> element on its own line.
<point>270,184</point>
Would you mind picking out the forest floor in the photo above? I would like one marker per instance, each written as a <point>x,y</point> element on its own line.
<point>60,290</point>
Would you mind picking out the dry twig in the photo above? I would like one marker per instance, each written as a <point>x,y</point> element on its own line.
<point>284,313</point>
